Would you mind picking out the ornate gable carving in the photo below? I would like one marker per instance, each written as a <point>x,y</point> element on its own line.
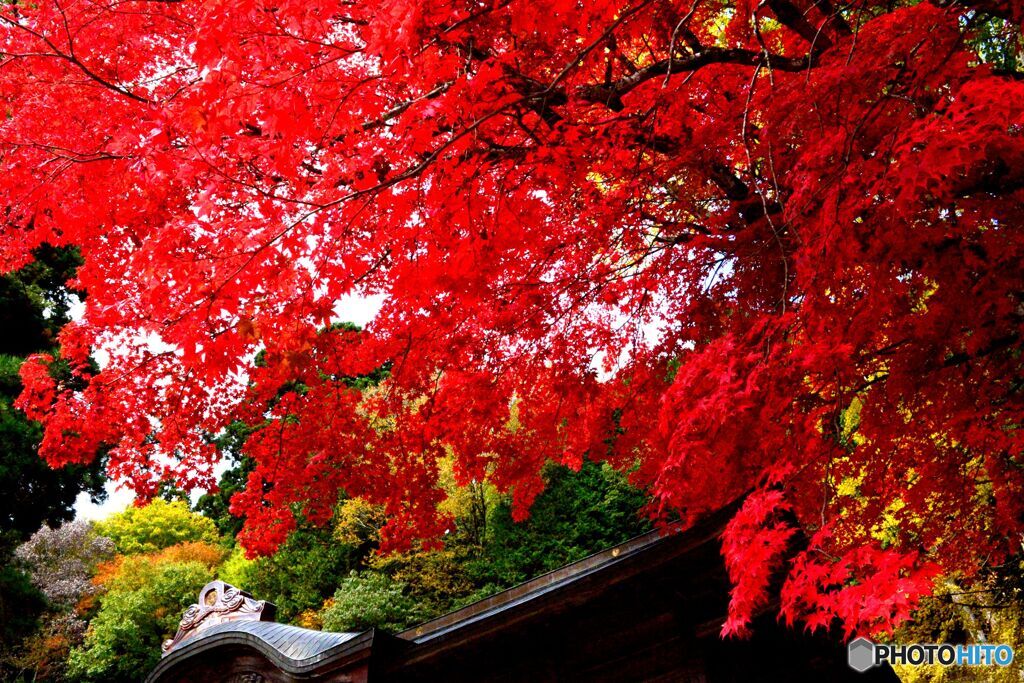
<point>219,602</point>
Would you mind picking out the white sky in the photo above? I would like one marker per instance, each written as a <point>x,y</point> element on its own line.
<point>117,500</point>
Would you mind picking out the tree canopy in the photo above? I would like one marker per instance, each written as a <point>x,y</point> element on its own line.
<point>723,246</point>
<point>156,526</point>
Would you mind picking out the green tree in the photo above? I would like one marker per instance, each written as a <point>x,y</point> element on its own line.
<point>34,304</point>
<point>371,600</point>
<point>158,525</point>
<point>306,569</point>
<point>35,301</point>
<point>216,505</point>
<point>438,579</point>
<point>21,603</point>
<point>578,514</point>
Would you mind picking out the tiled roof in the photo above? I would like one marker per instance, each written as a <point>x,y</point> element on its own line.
<point>293,642</point>
<point>291,648</point>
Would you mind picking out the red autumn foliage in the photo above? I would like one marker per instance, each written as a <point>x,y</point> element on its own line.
<point>754,544</point>
<point>724,245</point>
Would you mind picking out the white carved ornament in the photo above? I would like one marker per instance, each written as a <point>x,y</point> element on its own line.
<point>219,602</point>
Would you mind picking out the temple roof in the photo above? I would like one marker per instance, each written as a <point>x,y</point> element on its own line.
<point>649,609</point>
<point>295,643</point>
<point>290,648</point>
<point>226,616</point>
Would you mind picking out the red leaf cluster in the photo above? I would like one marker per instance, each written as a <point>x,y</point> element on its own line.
<point>721,246</point>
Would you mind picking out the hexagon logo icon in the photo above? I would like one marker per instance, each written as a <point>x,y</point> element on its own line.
<point>860,654</point>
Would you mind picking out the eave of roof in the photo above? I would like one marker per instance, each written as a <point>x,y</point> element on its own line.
<point>292,649</point>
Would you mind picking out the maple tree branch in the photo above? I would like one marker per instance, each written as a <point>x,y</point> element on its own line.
<point>951,361</point>
<point>410,172</point>
<point>996,345</point>
<point>71,58</point>
<point>790,16</point>
<point>750,208</point>
<point>598,41</point>
<point>105,83</point>
<point>609,94</point>
<point>401,108</point>
<point>835,18</point>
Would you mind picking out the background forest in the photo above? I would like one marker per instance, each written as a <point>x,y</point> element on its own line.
<point>108,594</point>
